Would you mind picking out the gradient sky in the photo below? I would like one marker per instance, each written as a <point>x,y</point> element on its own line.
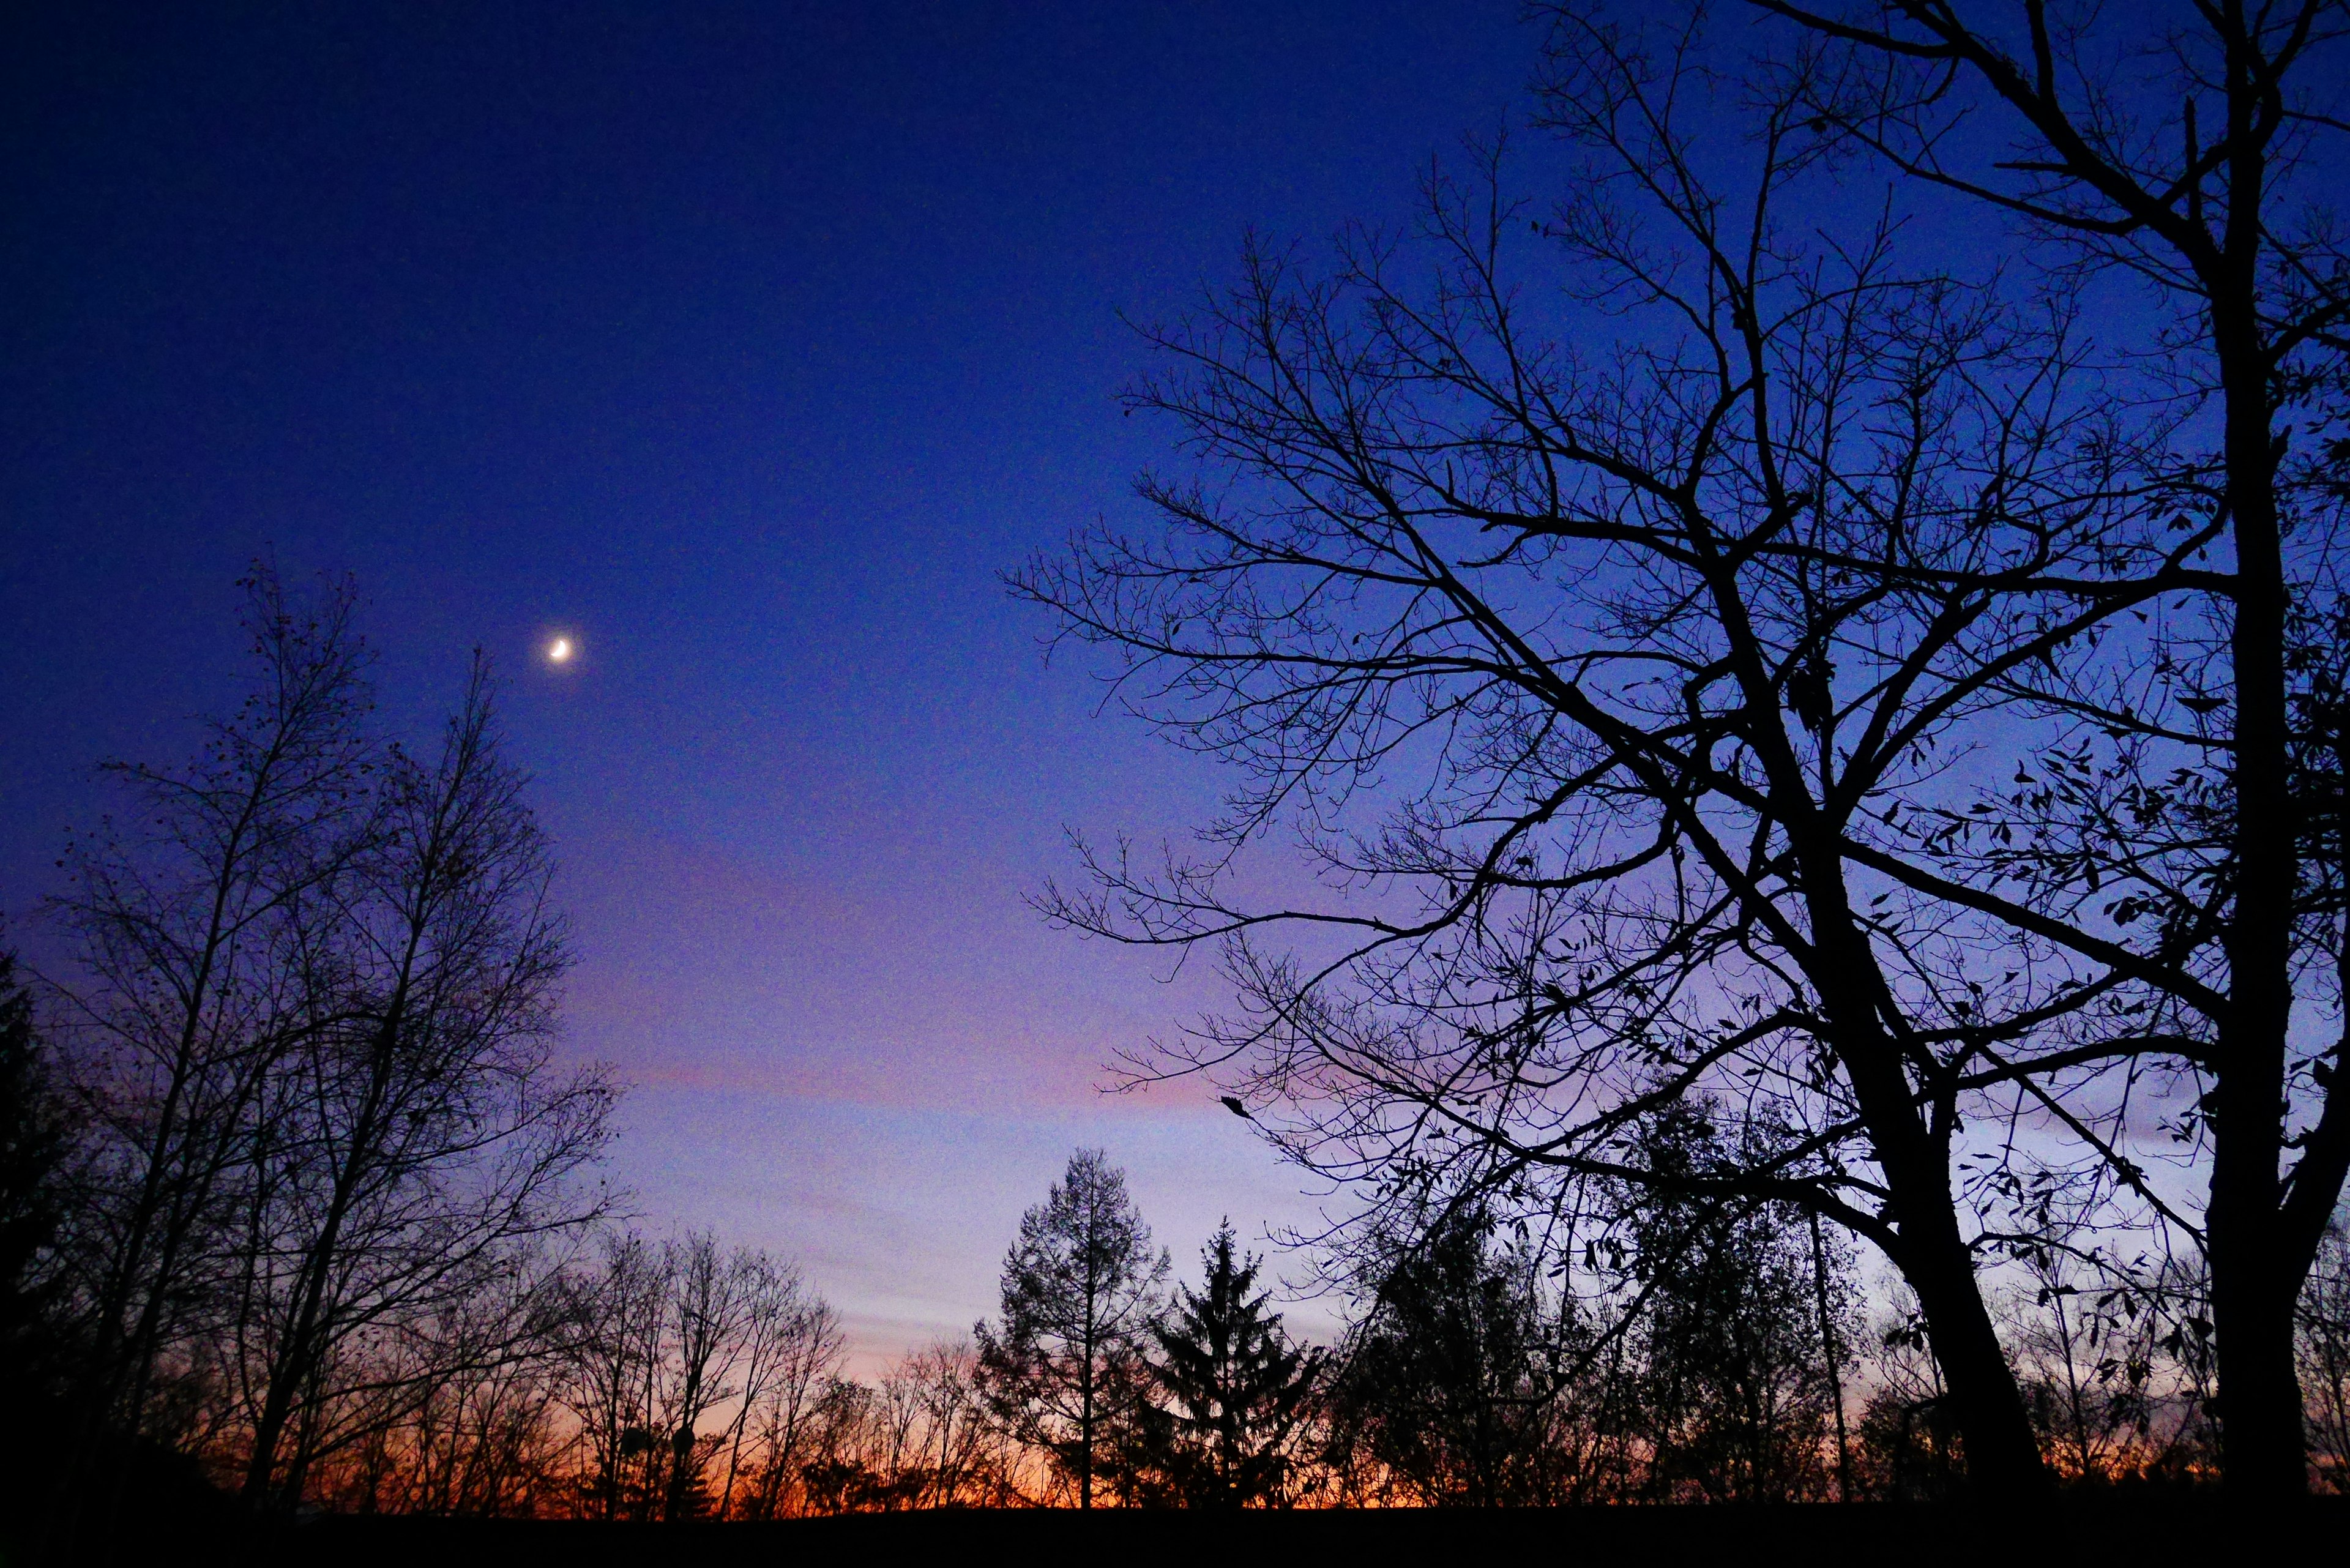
<point>746,344</point>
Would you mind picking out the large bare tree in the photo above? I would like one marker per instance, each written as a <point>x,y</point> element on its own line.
<point>422,1129</point>
<point>312,1016</point>
<point>2195,149</point>
<point>1628,659</point>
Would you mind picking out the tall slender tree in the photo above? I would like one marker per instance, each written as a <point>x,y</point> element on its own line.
<point>1081,1290</point>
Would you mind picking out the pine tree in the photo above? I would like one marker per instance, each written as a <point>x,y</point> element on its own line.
<point>1234,1390</point>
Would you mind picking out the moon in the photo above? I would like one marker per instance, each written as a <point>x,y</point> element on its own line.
<point>559,650</point>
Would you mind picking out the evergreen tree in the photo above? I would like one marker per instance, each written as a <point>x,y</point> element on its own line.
<point>1081,1289</point>
<point>1234,1390</point>
<point>33,1141</point>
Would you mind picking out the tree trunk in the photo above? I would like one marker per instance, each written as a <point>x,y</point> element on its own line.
<point>2003,1453</point>
<point>2251,1296</point>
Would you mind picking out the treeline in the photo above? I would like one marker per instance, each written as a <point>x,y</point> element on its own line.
<point>299,1208</point>
<point>1649,1351</point>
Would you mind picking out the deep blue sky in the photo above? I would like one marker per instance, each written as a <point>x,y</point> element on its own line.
<point>746,344</point>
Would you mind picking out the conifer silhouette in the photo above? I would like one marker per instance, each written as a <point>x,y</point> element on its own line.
<point>1234,1389</point>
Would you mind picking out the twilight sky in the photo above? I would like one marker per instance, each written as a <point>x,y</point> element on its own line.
<point>745,345</point>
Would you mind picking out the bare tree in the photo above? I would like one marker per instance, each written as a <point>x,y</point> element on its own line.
<point>1621,657</point>
<point>423,1128</point>
<point>458,1413</point>
<point>2324,1347</point>
<point>789,1342</point>
<point>186,999</point>
<point>678,1357</point>
<point>781,1401</point>
<point>312,1016</point>
<point>968,1459</point>
<point>710,1309</point>
<point>613,1370</point>
<point>2196,151</point>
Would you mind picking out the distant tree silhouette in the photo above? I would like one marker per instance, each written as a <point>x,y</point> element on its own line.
<point>614,1369</point>
<point>698,1376</point>
<point>1063,1368</point>
<point>1230,1392</point>
<point>1452,1382</point>
<point>782,1391</point>
<point>789,1340</point>
<point>919,1438</point>
<point>2324,1349</point>
<point>1736,1384</point>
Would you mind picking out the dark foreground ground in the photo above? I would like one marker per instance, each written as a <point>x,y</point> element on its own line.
<point>2123,1531</point>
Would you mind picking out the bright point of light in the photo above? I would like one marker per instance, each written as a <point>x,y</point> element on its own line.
<point>559,649</point>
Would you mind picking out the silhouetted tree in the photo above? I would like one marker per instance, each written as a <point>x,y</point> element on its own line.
<point>1081,1289</point>
<point>1735,1380</point>
<point>35,1132</point>
<point>419,1128</point>
<point>789,1341</point>
<point>783,1393</point>
<point>614,1369</point>
<point>957,1455</point>
<point>1609,645</point>
<point>1905,1443</point>
<point>695,1374</point>
<point>2194,154</point>
<point>193,925</point>
<point>2114,1358</point>
<point>1232,1392</point>
<point>1451,1383</point>
<point>1627,597</point>
<point>311,1007</point>
<point>467,1418</point>
<point>2324,1347</point>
